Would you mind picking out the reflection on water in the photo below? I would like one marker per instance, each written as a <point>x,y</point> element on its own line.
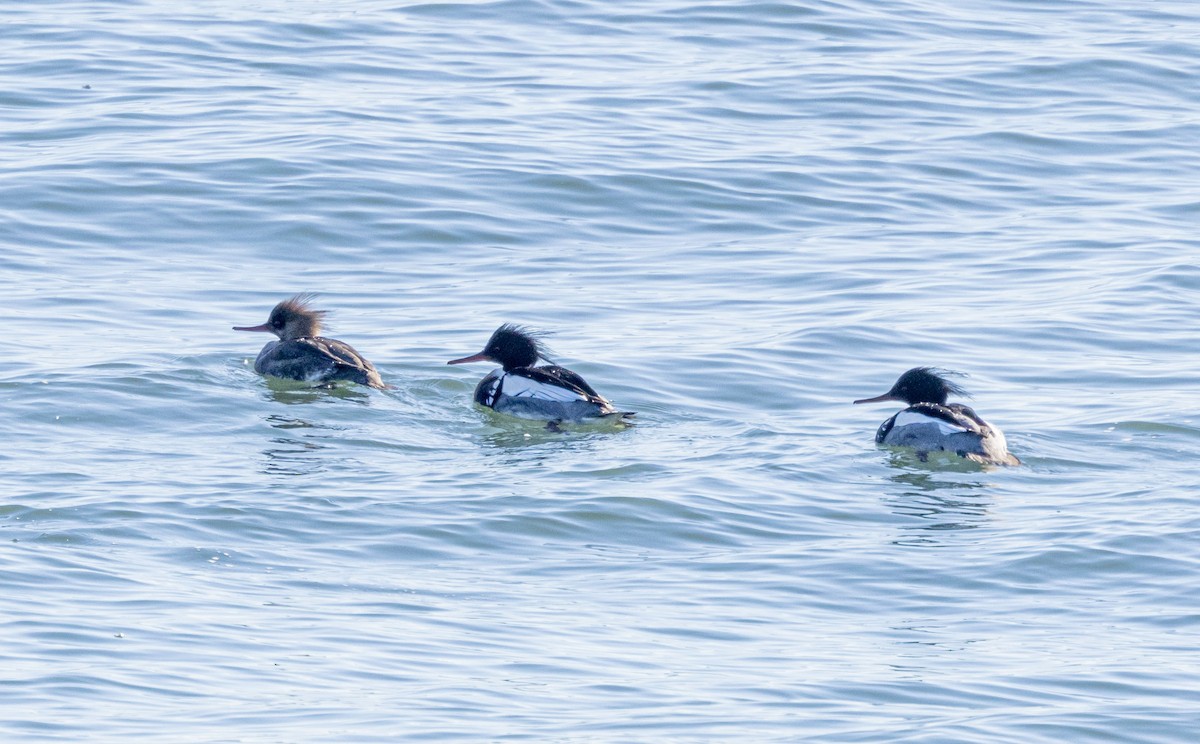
<point>291,392</point>
<point>524,444</point>
<point>283,422</point>
<point>937,514</point>
<point>934,496</point>
<point>934,462</point>
<point>299,454</point>
<point>507,432</point>
<point>294,455</point>
<point>924,643</point>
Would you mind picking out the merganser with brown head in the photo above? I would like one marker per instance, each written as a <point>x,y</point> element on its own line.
<point>930,424</point>
<point>302,353</point>
<point>547,393</point>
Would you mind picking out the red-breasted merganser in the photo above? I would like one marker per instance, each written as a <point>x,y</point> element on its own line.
<point>930,424</point>
<point>301,353</point>
<point>547,393</point>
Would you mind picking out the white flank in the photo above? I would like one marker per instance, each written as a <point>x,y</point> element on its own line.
<point>999,442</point>
<point>523,387</point>
<point>910,418</point>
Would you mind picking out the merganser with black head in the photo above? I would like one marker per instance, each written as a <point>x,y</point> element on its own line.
<point>302,353</point>
<point>548,393</point>
<point>930,424</point>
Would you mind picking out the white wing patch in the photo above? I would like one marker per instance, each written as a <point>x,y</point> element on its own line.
<point>909,418</point>
<point>523,387</point>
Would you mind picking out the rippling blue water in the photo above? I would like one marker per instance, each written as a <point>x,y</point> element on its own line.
<point>736,217</point>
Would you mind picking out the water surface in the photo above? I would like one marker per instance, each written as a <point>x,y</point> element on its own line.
<point>736,218</point>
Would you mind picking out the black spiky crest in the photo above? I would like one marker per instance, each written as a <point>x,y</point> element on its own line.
<point>515,346</point>
<point>928,385</point>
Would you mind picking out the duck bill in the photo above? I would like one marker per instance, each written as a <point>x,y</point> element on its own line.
<point>480,357</point>
<point>879,399</point>
<point>263,327</point>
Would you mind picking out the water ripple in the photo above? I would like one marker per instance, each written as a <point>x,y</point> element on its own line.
<point>737,218</point>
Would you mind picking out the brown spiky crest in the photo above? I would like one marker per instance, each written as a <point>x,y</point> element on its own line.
<point>295,318</point>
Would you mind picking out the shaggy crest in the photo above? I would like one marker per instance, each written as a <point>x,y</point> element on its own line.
<point>951,387</point>
<point>926,385</point>
<point>512,334</point>
<point>295,318</point>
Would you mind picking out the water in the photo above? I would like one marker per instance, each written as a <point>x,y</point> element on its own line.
<point>736,218</point>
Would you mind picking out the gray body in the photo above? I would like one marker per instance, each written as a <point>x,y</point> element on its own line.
<point>931,427</point>
<point>316,359</point>
<point>543,393</point>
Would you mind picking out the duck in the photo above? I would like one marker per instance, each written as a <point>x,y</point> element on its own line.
<point>302,353</point>
<point>930,424</point>
<point>519,388</point>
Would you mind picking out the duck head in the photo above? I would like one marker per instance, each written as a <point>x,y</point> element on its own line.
<point>921,385</point>
<point>511,346</point>
<point>291,319</point>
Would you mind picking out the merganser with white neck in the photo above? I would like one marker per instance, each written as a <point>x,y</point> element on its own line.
<point>930,424</point>
<point>548,393</point>
<point>301,353</point>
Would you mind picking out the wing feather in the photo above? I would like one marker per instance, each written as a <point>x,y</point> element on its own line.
<point>554,382</point>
